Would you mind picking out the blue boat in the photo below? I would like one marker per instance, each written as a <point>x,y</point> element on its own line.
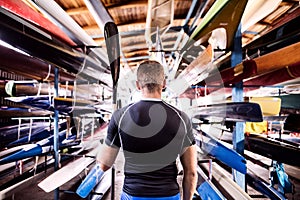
<point>37,135</point>
<point>205,187</point>
<point>222,153</point>
<point>41,147</point>
<point>11,133</point>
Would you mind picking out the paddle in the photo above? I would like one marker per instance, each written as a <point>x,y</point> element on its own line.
<point>67,172</point>
<point>72,169</point>
<point>113,51</point>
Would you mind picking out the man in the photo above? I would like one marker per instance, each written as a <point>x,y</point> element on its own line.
<point>152,134</point>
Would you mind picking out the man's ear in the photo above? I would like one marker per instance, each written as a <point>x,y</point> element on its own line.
<point>164,84</point>
<point>137,84</point>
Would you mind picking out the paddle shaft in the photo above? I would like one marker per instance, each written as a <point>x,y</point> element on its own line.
<point>113,51</point>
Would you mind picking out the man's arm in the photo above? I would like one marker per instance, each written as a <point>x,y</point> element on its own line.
<point>189,163</point>
<point>107,156</point>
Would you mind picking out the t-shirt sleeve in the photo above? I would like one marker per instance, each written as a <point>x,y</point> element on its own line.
<point>112,137</point>
<point>189,137</point>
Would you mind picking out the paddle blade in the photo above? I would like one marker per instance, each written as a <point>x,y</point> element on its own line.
<point>111,35</point>
<point>65,174</point>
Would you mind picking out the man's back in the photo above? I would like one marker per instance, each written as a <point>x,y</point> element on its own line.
<point>152,134</point>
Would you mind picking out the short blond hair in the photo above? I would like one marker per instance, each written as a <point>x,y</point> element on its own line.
<point>150,74</point>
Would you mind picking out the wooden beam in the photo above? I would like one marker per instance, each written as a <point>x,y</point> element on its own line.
<point>277,14</point>
<point>134,47</point>
<point>130,4</point>
<point>91,28</point>
<point>77,11</point>
<point>143,52</point>
<point>125,29</point>
<point>132,26</point>
<point>288,17</point>
<point>133,40</point>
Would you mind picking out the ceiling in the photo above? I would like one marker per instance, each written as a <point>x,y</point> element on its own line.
<point>130,17</point>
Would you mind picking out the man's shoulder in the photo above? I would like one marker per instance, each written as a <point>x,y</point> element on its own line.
<point>116,116</point>
<point>171,106</point>
<point>175,109</point>
<point>120,111</point>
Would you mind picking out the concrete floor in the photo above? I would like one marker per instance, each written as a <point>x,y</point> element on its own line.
<point>32,192</point>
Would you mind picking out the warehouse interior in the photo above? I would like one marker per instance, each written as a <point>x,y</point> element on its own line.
<point>231,65</point>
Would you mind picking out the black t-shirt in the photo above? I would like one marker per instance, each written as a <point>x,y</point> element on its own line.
<point>152,134</point>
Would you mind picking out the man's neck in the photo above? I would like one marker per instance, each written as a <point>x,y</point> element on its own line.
<point>151,95</point>
<point>154,95</point>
